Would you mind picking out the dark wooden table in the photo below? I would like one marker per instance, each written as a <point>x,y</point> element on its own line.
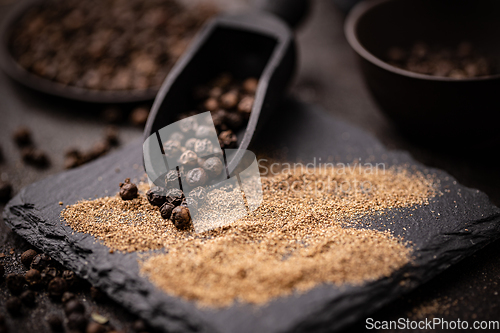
<point>328,75</point>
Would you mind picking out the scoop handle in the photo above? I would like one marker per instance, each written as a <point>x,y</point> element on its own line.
<point>293,12</point>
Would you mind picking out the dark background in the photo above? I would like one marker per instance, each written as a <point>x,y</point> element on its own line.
<point>328,76</point>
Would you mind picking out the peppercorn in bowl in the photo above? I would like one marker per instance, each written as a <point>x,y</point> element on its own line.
<point>432,66</point>
<point>98,51</point>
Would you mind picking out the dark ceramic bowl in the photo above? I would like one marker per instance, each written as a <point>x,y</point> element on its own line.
<point>430,108</point>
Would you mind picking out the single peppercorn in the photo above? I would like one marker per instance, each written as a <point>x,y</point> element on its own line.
<point>172,148</point>
<point>203,147</point>
<point>190,144</point>
<point>196,177</point>
<point>250,85</point>
<point>27,257</point>
<point>246,104</point>
<point>55,322</point>
<point>172,179</point>
<point>57,287</point>
<point>174,196</point>
<point>73,306</point>
<point>70,278</point>
<point>229,99</point>
<point>14,305</point>
<point>166,210</point>
<point>156,196</point>
<point>35,157</point>
<point>33,277</point>
<point>28,298</point>
<point>189,158</point>
<point>213,166</point>
<point>48,273</point>
<point>211,104</point>
<point>77,322</point>
<point>15,283</point>
<point>188,125</point>
<point>22,137</point>
<point>67,296</point>
<point>40,261</point>
<point>181,217</point>
<point>128,190</point>
<point>228,139</point>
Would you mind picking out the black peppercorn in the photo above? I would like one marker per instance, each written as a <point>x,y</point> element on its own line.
<point>55,322</point>
<point>199,194</point>
<point>174,196</point>
<point>28,297</point>
<point>57,287</point>
<point>219,119</point>
<point>40,261</point>
<point>35,157</point>
<point>189,158</point>
<point>203,147</point>
<point>229,99</point>
<point>227,139</point>
<point>190,144</point>
<point>204,131</point>
<point>188,125</point>
<point>181,217</point>
<point>13,305</point>
<point>27,257</point>
<point>33,277</point>
<point>234,120</point>
<point>97,295</point>
<point>128,190</point>
<point>67,296</point>
<point>172,148</point>
<point>166,210</point>
<point>211,104</point>
<point>15,283</point>
<point>22,137</point>
<point>73,306</point>
<point>213,166</point>
<point>250,85</point>
<point>172,179</point>
<point>77,321</point>
<point>48,273</point>
<point>70,278</point>
<point>246,104</point>
<point>156,196</point>
<point>196,177</point>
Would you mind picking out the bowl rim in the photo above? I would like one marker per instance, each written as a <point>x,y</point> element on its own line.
<point>350,26</point>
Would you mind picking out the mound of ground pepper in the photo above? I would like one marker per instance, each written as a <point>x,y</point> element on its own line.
<point>306,232</point>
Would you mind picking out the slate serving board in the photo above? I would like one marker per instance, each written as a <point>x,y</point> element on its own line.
<point>453,226</point>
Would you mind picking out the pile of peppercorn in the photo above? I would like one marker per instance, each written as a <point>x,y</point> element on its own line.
<point>45,275</point>
<point>106,44</point>
<point>458,63</point>
<point>230,103</point>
